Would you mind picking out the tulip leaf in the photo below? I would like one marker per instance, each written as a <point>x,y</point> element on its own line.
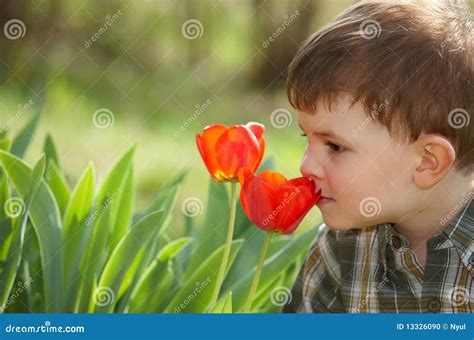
<point>196,293</point>
<point>272,267</point>
<point>153,287</point>
<point>21,142</point>
<point>91,262</point>
<point>213,233</point>
<point>76,228</point>
<point>13,260</point>
<point>123,256</point>
<point>224,306</point>
<point>44,214</point>
<point>50,151</point>
<point>58,186</point>
<point>116,190</point>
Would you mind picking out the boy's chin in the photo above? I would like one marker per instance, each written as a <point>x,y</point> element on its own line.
<point>339,225</point>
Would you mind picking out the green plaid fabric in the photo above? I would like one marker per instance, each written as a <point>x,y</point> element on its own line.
<point>373,270</point>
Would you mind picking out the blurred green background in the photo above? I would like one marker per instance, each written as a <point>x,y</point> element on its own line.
<point>163,70</point>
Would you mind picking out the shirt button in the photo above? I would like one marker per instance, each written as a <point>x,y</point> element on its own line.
<point>434,306</point>
<point>396,242</point>
<point>471,260</point>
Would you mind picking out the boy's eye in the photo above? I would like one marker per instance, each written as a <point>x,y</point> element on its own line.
<point>335,148</point>
<point>303,134</point>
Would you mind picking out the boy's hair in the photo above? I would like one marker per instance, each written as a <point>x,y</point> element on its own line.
<point>416,56</point>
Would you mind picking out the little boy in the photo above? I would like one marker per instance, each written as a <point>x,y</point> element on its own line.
<point>384,95</point>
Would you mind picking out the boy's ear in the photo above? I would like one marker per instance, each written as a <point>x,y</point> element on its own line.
<point>435,156</point>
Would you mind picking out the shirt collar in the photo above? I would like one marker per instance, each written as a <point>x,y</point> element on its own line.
<point>459,233</point>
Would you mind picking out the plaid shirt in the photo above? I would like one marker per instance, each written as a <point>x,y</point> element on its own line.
<point>373,270</point>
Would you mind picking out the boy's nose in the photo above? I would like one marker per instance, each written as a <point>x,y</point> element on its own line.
<point>311,167</point>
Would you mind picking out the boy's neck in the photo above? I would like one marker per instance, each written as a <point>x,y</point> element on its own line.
<point>434,215</point>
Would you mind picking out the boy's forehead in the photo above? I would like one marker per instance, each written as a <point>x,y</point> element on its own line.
<point>341,115</point>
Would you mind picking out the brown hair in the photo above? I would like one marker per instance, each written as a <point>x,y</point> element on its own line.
<point>416,56</point>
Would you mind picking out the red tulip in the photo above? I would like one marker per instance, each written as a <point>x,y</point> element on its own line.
<point>274,203</point>
<point>227,149</point>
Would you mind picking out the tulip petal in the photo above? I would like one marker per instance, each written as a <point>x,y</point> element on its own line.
<point>256,128</point>
<point>273,203</point>
<point>237,147</point>
<point>273,177</point>
<point>206,144</point>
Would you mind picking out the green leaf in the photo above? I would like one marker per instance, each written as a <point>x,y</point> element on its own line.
<point>125,200</point>
<point>15,249</point>
<point>173,248</point>
<point>272,267</point>
<point>22,140</point>
<point>213,233</point>
<point>224,306</point>
<point>118,184</point>
<point>196,293</point>
<point>50,151</point>
<point>76,227</point>
<point>91,262</point>
<point>58,186</point>
<point>124,254</point>
<point>44,214</point>
<point>154,285</point>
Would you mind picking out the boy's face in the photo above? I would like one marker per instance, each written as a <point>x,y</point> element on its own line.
<point>364,175</point>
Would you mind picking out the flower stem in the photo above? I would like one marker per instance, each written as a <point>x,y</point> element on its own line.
<point>228,243</point>
<point>258,272</point>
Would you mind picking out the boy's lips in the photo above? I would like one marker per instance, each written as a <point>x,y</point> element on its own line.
<point>324,200</point>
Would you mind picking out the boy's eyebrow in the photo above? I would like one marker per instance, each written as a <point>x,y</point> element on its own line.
<point>325,133</point>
